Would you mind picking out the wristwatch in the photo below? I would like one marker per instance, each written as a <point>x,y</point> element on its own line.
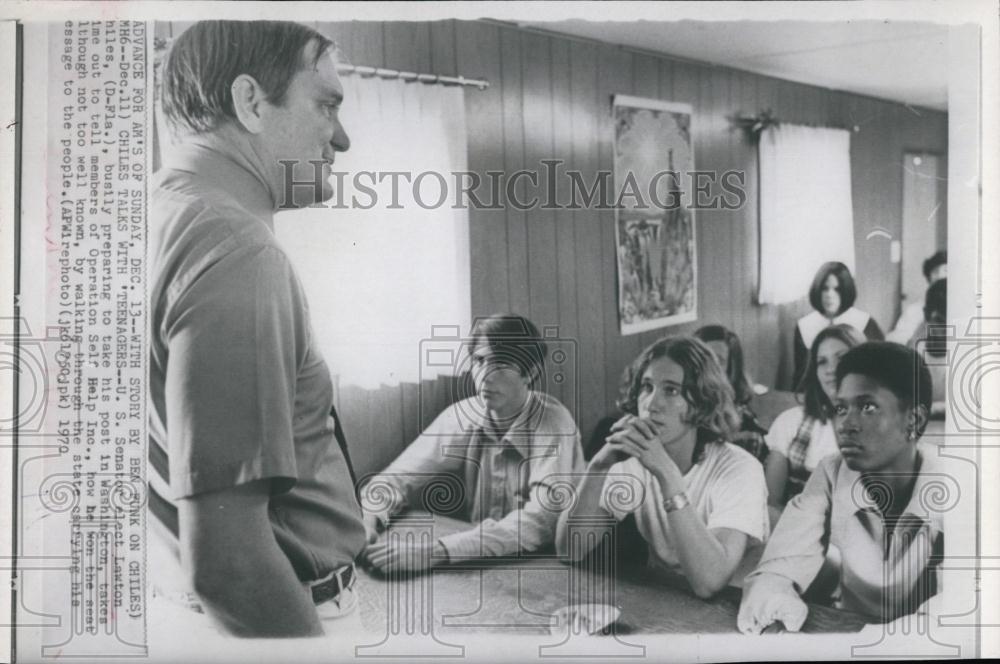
<point>676,502</point>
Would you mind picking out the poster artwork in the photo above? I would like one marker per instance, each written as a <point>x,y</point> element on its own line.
<point>654,229</point>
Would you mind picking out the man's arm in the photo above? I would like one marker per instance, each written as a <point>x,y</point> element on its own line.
<point>792,558</point>
<point>525,529</point>
<point>244,580</point>
<point>587,504</point>
<point>531,527</point>
<point>395,488</point>
<point>798,544</point>
<point>710,551</point>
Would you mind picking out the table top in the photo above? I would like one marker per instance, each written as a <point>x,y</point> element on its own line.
<point>520,595</point>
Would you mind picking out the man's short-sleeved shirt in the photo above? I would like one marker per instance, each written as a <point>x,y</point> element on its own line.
<point>238,389</point>
<point>726,488</point>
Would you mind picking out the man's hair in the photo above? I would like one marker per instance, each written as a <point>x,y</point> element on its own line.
<point>515,339</point>
<point>935,315</point>
<point>845,286</point>
<point>895,367</point>
<point>936,298</point>
<point>205,60</point>
<point>817,404</point>
<point>934,262</point>
<point>734,364</point>
<point>705,387</point>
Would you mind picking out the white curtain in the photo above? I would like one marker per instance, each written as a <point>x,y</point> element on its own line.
<point>378,279</point>
<point>806,217</point>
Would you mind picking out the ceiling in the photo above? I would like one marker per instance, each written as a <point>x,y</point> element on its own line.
<point>900,61</point>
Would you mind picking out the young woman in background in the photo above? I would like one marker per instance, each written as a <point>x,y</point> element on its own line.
<point>832,295</point>
<point>802,436</point>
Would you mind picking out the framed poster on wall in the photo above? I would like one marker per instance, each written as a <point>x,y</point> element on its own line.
<point>654,220</point>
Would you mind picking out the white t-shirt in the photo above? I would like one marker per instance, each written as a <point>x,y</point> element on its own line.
<point>822,441</point>
<point>726,489</point>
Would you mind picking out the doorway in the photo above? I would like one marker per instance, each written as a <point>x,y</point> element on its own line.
<point>925,219</point>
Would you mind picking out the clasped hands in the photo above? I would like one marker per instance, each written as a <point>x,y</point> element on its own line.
<point>393,554</point>
<point>638,437</point>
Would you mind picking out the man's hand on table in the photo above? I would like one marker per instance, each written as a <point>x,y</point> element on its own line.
<point>766,601</point>
<point>374,524</point>
<point>386,556</point>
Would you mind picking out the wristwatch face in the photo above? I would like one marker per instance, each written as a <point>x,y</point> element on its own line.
<point>676,502</point>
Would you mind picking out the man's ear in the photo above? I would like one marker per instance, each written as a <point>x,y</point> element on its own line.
<point>248,102</point>
<point>917,419</point>
<point>531,374</point>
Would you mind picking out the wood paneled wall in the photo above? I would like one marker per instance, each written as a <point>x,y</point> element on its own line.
<point>550,97</point>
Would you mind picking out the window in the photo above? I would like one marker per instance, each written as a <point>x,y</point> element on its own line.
<point>806,215</point>
<point>377,279</point>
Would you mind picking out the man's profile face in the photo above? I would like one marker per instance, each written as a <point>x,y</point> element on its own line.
<point>940,272</point>
<point>306,128</point>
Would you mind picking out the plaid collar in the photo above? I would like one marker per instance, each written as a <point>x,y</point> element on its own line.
<point>799,446</point>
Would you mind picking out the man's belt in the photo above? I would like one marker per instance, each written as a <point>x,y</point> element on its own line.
<point>331,585</point>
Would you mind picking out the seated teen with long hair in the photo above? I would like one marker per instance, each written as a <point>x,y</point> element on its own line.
<point>697,499</point>
<point>867,501</point>
<point>802,436</point>
<point>726,347</point>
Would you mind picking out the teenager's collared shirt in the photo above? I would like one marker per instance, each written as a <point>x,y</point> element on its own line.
<point>500,483</point>
<point>884,573</point>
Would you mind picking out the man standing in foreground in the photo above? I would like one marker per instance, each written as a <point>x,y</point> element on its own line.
<point>247,476</point>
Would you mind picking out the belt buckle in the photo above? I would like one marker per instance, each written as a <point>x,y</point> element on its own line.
<point>346,576</point>
<point>333,584</point>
